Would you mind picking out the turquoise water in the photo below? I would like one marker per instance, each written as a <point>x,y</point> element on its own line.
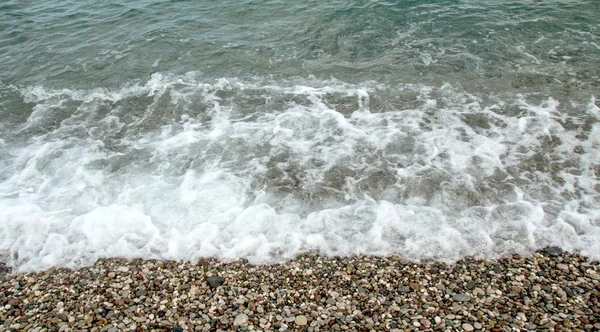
<point>263,129</point>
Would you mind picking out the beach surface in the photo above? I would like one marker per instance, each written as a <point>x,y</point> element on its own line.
<point>549,290</point>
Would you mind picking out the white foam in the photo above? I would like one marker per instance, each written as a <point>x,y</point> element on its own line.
<point>180,167</point>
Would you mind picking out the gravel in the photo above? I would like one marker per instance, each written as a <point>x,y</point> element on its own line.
<point>547,291</point>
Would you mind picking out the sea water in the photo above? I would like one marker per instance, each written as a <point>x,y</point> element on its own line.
<point>264,129</point>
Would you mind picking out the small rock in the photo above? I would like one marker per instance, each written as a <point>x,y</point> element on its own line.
<point>471,284</point>
<point>111,274</point>
<point>467,327</point>
<point>437,320</point>
<point>553,251</point>
<point>594,275</point>
<point>178,329</point>
<point>569,292</point>
<point>564,267</point>
<point>426,323</point>
<point>461,297</point>
<point>240,319</point>
<point>301,320</point>
<point>415,286</point>
<point>14,302</point>
<point>215,281</point>
<point>123,269</point>
<point>477,326</point>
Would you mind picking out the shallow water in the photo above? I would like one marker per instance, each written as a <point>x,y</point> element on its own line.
<point>264,129</point>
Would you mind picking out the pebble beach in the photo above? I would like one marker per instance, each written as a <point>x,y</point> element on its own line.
<point>549,290</point>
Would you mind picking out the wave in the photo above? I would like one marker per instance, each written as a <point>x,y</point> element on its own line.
<point>180,167</point>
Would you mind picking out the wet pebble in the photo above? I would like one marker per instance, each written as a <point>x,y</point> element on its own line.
<point>215,281</point>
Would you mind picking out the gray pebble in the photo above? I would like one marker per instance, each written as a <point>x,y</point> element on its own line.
<point>553,251</point>
<point>461,297</point>
<point>215,281</point>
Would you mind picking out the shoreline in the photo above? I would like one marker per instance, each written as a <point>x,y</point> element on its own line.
<point>549,290</point>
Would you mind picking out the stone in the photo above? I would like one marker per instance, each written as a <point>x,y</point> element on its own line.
<point>569,292</point>
<point>240,320</point>
<point>553,251</point>
<point>477,326</point>
<point>178,329</point>
<point>461,297</point>
<point>215,281</point>
<point>426,323</point>
<point>594,275</point>
<point>301,320</point>
<point>467,327</point>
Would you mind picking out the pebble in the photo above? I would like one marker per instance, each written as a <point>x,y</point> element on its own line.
<point>594,276</point>
<point>240,320</point>
<point>215,281</point>
<point>461,297</point>
<point>467,327</point>
<point>301,320</point>
<point>553,251</point>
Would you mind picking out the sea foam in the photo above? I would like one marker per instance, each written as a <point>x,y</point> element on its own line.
<point>181,167</point>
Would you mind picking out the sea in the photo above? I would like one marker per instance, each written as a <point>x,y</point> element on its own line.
<point>264,129</point>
